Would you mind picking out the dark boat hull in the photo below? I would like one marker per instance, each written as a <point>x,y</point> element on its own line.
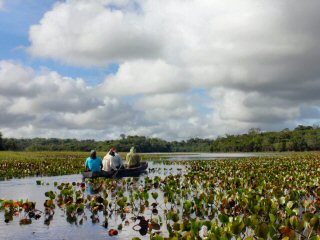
<point>126,172</point>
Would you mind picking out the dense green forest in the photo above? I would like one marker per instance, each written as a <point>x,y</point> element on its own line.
<point>302,138</point>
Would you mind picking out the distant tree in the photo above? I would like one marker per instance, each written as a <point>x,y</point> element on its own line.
<point>316,125</point>
<point>311,140</point>
<point>254,131</point>
<point>280,146</point>
<point>302,138</point>
<point>10,144</point>
<point>290,146</point>
<point>1,144</point>
<point>301,128</point>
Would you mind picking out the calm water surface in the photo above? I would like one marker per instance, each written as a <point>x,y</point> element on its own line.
<point>59,228</point>
<point>210,156</point>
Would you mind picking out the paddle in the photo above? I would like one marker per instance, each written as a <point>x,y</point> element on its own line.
<point>114,175</point>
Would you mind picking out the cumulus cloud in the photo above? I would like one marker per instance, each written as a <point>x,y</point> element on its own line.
<point>173,116</point>
<point>49,101</point>
<point>146,77</point>
<point>45,92</point>
<point>256,60</point>
<point>162,107</point>
<point>253,107</point>
<point>89,33</point>
<point>47,104</point>
<point>14,80</point>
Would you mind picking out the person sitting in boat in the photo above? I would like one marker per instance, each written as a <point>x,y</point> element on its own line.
<point>116,162</point>
<point>112,161</point>
<point>106,162</point>
<point>94,162</point>
<point>132,158</point>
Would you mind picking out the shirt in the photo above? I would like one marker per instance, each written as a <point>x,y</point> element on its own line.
<point>111,162</point>
<point>106,163</point>
<point>94,164</point>
<point>116,161</point>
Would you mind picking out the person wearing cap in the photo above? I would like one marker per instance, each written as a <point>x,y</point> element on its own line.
<point>94,162</point>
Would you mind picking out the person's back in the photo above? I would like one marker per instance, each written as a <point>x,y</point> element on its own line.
<point>106,163</point>
<point>116,160</point>
<point>94,162</point>
<point>132,158</point>
<point>112,161</point>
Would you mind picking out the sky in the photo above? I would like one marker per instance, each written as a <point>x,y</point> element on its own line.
<point>178,69</point>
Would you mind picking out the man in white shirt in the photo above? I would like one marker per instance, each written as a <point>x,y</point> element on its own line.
<point>112,161</point>
<point>106,162</point>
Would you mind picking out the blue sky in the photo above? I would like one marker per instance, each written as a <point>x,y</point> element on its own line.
<point>100,68</point>
<point>15,21</point>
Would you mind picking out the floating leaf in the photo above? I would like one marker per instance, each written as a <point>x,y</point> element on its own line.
<point>25,221</point>
<point>290,204</point>
<point>273,218</point>
<point>223,218</point>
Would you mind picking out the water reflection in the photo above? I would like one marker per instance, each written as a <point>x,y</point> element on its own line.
<point>93,226</point>
<point>56,226</point>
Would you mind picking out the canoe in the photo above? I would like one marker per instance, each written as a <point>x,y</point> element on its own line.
<point>125,172</point>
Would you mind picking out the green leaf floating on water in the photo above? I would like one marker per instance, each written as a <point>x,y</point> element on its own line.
<point>39,182</point>
<point>223,218</point>
<point>237,227</point>
<point>155,195</point>
<point>290,204</point>
<point>273,218</point>
<point>254,198</point>
<point>282,200</point>
<point>296,211</point>
<point>71,208</point>
<point>50,195</point>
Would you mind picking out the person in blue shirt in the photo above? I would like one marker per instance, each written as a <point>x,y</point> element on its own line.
<point>94,162</point>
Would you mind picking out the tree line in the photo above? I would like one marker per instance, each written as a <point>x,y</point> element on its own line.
<point>302,138</point>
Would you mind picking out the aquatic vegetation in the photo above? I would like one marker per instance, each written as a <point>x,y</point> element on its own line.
<point>23,164</point>
<point>25,210</point>
<point>252,198</point>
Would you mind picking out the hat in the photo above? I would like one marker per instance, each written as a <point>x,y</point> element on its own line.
<point>113,149</point>
<point>93,151</point>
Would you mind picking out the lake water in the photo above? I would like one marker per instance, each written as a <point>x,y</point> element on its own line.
<point>59,228</point>
<point>210,156</point>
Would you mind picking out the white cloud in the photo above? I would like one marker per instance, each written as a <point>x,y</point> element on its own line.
<point>50,105</point>
<point>87,33</point>
<point>14,80</point>
<point>43,93</point>
<point>256,60</point>
<point>49,101</point>
<point>252,107</point>
<point>146,77</point>
<point>162,107</point>
<point>245,44</point>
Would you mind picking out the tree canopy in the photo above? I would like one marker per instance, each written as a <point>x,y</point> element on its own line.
<point>302,138</point>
